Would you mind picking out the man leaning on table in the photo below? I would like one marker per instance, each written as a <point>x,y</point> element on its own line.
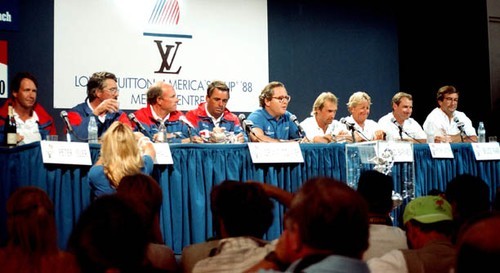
<point>443,122</point>
<point>161,108</point>
<point>212,116</point>
<point>101,103</point>
<point>398,124</point>
<point>320,125</point>
<point>272,122</point>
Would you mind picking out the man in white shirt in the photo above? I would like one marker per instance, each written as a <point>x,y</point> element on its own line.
<point>319,127</point>
<point>398,125</point>
<point>445,122</point>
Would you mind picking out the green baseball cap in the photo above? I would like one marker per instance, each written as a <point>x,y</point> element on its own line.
<point>427,210</point>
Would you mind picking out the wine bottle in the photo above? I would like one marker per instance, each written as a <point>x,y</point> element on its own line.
<point>11,129</point>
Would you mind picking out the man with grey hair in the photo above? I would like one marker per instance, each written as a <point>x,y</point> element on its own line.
<point>101,103</point>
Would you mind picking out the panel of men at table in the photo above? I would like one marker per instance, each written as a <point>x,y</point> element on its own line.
<point>186,184</point>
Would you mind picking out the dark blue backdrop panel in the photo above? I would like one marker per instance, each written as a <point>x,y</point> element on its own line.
<point>185,214</point>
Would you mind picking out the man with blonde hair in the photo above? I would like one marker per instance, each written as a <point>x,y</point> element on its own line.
<point>319,127</point>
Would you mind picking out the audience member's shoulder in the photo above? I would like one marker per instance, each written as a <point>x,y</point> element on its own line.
<point>191,254</point>
<point>478,248</point>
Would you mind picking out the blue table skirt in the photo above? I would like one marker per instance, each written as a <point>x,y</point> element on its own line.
<point>185,215</point>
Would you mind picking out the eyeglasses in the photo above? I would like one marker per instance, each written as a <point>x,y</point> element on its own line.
<point>283,99</point>
<point>113,90</point>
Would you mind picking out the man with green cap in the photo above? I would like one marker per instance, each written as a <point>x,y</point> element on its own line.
<point>428,224</point>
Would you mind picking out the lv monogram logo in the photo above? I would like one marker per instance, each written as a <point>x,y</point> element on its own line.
<point>166,66</point>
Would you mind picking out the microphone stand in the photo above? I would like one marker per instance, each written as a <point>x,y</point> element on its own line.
<point>351,127</point>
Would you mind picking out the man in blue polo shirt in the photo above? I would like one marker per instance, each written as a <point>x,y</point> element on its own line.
<point>272,122</point>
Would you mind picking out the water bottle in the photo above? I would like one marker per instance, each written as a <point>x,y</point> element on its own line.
<point>481,133</point>
<point>162,131</point>
<point>430,136</point>
<point>92,138</point>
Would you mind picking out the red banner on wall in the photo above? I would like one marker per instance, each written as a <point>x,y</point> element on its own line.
<point>3,69</point>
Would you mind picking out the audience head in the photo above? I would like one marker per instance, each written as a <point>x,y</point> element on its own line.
<point>469,195</point>
<point>102,85</point>
<point>359,106</point>
<point>30,221</point>
<point>119,153</point>
<point>146,191</point>
<point>478,248</point>
<point>328,216</point>
<point>376,188</point>
<point>240,209</point>
<point>217,98</point>
<point>424,215</point>
<point>110,235</point>
<point>402,106</point>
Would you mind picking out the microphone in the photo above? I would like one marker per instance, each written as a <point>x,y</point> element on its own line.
<point>460,126</point>
<point>64,116</point>
<point>350,127</point>
<point>301,130</point>
<point>132,118</point>
<point>247,124</point>
<point>393,120</point>
<point>190,126</point>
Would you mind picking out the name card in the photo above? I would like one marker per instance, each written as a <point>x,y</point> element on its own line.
<point>273,152</point>
<point>163,154</point>
<point>486,151</point>
<point>68,153</point>
<point>402,151</point>
<point>441,150</point>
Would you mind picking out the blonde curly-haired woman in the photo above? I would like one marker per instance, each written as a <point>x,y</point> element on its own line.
<point>123,152</point>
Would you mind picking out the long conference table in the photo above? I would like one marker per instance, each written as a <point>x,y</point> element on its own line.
<point>186,184</point>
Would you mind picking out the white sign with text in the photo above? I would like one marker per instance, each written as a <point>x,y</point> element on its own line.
<point>441,150</point>
<point>486,151</point>
<point>163,154</point>
<point>282,152</point>
<point>186,43</point>
<point>68,153</point>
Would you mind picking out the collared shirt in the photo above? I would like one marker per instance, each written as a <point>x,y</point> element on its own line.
<point>368,130</point>
<point>438,123</point>
<point>384,238</point>
<point>411,128</point>
<point>28,128</point>
<point>330,264</point>
<point>235,254</point>
<point>216,121</point>
<point>282,128</point>
<point>436,255</point>
<point>312,129</point>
